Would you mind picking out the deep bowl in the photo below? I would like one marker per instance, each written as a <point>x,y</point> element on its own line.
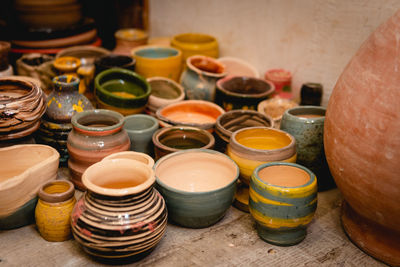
<point>164,91</point>
<point>275,108</point>
<point>198,186</point>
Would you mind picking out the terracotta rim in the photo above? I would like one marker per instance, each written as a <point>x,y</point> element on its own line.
<point>199,71</point>
<point>59,191</point>
<point>220,86</point>
<point>101,114</point>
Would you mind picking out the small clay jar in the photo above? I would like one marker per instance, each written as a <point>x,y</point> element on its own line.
<point>311,94</point>
<point>66,65</point>
<point>53,210</point>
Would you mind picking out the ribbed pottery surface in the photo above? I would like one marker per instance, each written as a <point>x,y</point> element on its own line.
<point>119,227</point>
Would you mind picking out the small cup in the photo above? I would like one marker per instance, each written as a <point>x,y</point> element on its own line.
<point>283,200</point>
<point>140,128</point>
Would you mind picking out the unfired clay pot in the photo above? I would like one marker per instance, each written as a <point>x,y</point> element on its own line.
<point>362,144</point>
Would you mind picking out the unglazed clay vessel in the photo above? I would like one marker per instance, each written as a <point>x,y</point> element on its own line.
<point>283,200</point>
<point>23,168</point>
<point>54,208</point>
<point>200,77</point>
<point>275,107</point>
<point>128,38</point>
<point>194,113</point>
<point>195,44</point>
<point>240,92</point>
<point>95,134</point>
<point>22,104</point>
<point>238,67</point>
<point>198,186</point>
<point>121,208</point>
<point>138,156</point>
<point>171,139</point>
<point>362,146</point>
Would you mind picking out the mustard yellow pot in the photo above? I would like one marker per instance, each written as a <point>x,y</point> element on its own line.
<point>53,210</point>
<point>283,200</point>
<point>195,44</point>
<point>153,60</point>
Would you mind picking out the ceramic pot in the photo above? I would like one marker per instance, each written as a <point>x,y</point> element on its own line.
<point>38,66</point>
<point>4,50</point>
<point>114,61</point>
<point>163,61</point>
<point>200,77</point>
<point>121,90</point>
<point>171,139</point>
<point>164,91</point>
<point>86,54</point>
<point>311,94</point>
<point>23,168</point>
<point>66,65</point>
<point>134,228</point>
<point>361,138</point>
<point>195,44</point>
<point>22,106</point>
<point>239,92</point>
<point>282,80</point>
<point>127,39</point>
<point>193,113</point>
<point>198,186</point>
<point>138,156</point>
<point>283,200</point>
<point>275,108</point>
<point>53,210</point>
<point>238,67</point>
<point>95,134</point>
<point>140,129</point>
<point>306,125</point>
<point>234,120</point>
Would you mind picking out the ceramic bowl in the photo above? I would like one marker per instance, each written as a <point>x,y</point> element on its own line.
<point>155,60</point>
<point>238,67</point>
<point>171,139</point>
<point>194,113</point>
<point>87,54</point>
<point>240,92</point>
<point>23,169</point>
<point>198,186</point>
<point>195,44</point>
<point>67,64</point>
<point>275,107</point>
<point>121,90</point>
<point>138,156</point>
<point>114,61</point>
<point>164,91</point>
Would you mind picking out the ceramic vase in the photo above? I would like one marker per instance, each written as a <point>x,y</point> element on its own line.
<point>121,209</point>
<point>126,39</point>
<point>200,77</point>
<point>362,147</point>
<point>53,210</point>
<point>283,200</point>
<point>95,134</point>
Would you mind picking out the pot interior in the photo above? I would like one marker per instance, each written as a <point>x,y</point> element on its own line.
<point>265,139</point>
<point>207,65</point>
<point>122,85</point>
<point>184,139</point>
<point>191,113</point>
<point>164,89</point>
<point>157,52</point>
<point>246,86</point>
<point>98,120</point>
<point>284,175</point>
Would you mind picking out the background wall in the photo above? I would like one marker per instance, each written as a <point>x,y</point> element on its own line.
<point>314,39</point>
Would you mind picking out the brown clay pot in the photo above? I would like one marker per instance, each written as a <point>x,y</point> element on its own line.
<point>362,144</point>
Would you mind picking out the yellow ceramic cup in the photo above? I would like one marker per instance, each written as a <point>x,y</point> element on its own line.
<point>195,44</point>
<point>153,60</point>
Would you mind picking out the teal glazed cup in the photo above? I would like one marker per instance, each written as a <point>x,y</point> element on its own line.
<point>283,200</point>
<point>306,124</point>
<point>198,186</point>
<point>140,129</point>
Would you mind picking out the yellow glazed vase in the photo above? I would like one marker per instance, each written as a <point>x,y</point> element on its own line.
<point>53,211</point>
<point>195,44</point>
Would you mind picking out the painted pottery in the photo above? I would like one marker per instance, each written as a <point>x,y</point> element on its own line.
<point>200,77</point>
<point>23,168</point>
<point>53,210</point>
<point>66,65</point>
<point>238,67</point>
<point>198,186</point>
<point>164,91</point>
<point>140,129</point>
<point>22,104</point>
<point>38,66</point>
<point>240,92</point>
<point>275,107</point>
<point>283,200</point>
<point>127,39</point>
<point>195,44</point>
<point>306,125</point>
<point>153,61</point>
<point>194,113</point>
<point>121,209</point>
<point>95,134</point>
<point>114,61</point>
<point>311,94</point>
<point>138,156</point>
<point>282,79</point>
<point>4,50</point>
<point>234,120</point>
<point>121,90</point>
<point>362,147</point>
<point>171,139</point>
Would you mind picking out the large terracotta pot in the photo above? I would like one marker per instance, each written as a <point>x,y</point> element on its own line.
<point>362,144</point>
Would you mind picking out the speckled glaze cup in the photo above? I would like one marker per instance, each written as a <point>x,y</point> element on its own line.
<point>283,200</point>
<point>306,124</point>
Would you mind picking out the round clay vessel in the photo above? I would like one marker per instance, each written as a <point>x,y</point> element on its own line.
<point>198,186</point>
<point>195,44</point>
<point>200,77</point>
<point>171,139</point>
<point>362,146</point>
<point>282,80</point>
<point>66,65</point>
<point>138,156</point>
<point>238,67</point>
<point>95,134</point>
<point>283,200</point>
<point>122,209</point>
<point>194,113</point>
<point>114,61</point>
<point>128,38</point>
<point>275,107</point>
<point>23,170</point>
<point>240,92</point>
